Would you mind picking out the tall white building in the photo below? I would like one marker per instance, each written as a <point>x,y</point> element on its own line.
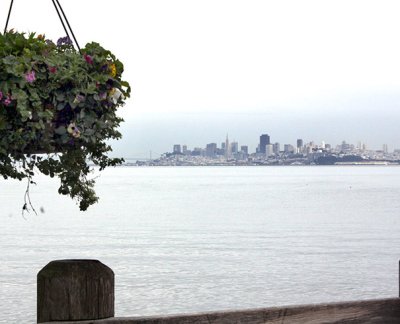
<point>269,150</point>
<point>227,148</point>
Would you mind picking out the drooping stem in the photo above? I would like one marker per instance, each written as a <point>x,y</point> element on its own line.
<point>27,199</point>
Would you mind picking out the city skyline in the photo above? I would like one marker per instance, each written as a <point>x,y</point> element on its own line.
<point>276,146</point>
<point>270,153</point>
<point>252,145</point>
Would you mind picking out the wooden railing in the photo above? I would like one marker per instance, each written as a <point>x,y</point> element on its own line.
<point>82,291</point>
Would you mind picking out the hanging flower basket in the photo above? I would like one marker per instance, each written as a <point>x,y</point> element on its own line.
<point>57,110</point>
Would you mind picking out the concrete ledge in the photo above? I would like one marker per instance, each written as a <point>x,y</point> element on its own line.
<point>378,311</point>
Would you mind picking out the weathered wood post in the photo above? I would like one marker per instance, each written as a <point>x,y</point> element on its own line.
<point>75,290</point>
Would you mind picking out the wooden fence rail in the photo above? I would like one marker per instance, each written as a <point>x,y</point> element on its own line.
<point>82,291</point>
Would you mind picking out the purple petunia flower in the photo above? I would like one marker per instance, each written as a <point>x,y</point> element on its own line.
<point>64,41</point>
<point>30,76</point>
<point>1,95</point>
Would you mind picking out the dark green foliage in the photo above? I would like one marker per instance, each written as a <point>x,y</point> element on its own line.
<point>57,110</point>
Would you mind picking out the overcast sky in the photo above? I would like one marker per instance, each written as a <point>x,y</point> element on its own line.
<point>317,70</point>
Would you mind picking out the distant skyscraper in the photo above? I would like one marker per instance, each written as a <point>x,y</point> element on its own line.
<point>244,149</point>
<point>345,147</point>
<point>177,149</point>
<point>222,150</point>
<point>299,145</point>
<point>287,148</point>
<point>197,151</point>
<point>184,149</point>
<point>211,150</point>
<point>277,148</point>
<point>227,148</point>
<point>264,141</point>
<point>234,148</point>
<point>385,148</point>
<point>269,150</point>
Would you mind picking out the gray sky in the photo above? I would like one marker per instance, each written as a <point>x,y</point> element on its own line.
<point>317,70</point>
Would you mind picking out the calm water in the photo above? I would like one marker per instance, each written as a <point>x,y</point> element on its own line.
<point>212,238</point>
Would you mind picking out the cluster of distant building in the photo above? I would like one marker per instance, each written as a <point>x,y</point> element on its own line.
<point>266,149</point>
<point>267,153</point>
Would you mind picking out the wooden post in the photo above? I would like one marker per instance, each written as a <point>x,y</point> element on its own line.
<point>75,290</point>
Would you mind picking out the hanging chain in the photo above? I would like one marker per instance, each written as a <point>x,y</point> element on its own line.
<point>8,16</point>
<point>61,15</point>
<point>58,8</point>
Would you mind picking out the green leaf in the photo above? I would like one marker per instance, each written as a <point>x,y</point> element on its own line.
<point>61,130</point>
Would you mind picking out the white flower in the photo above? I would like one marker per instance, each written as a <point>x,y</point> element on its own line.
<point>115,94</point>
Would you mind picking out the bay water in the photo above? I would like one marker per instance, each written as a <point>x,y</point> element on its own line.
<point>195,239</point>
